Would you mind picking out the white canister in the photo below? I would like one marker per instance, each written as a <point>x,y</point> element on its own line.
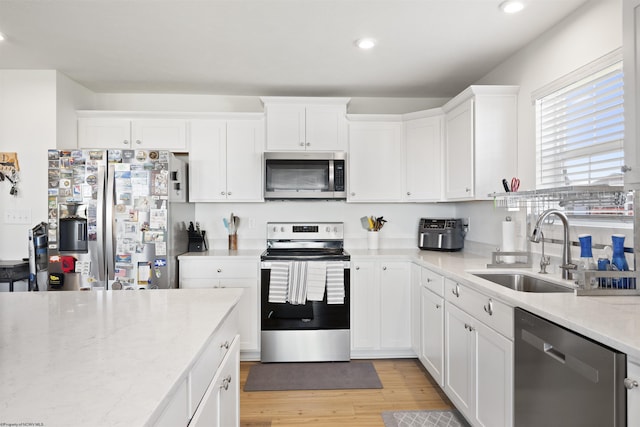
<point>373,240</point>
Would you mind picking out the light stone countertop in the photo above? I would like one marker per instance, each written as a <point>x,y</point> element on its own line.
<point>101,357</point>
<point>610,320</point>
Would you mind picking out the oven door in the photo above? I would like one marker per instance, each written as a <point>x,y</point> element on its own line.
<point>314,315</point>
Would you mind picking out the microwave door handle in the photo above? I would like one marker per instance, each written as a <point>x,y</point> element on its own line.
<point>331,176</point>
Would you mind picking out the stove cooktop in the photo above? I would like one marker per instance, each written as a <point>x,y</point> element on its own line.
<point>305,255</point>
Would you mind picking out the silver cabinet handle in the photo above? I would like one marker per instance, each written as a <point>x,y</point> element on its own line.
<point>456,291</point>
<point>469,327</point>
<point>138,142</point>
<point>468,190</point>
<point>225,382</point>
<point>408,193</point>
<point>222,193</point>
<point>308,144</point>
<point>353,194</point>
<point>302,144</point>
<point>489,308</point>
<point>384,268</point>
<point>357,267</point>
<point>429,280</point>
<point>228,193</point>
<point>438,306</point>
<point>225,345</point>
<point>219,270</point>
<point>630,384</point>
<point>125,142</point>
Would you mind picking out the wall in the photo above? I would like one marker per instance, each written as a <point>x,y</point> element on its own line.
<point>70,96</point>
<point>592,31</point>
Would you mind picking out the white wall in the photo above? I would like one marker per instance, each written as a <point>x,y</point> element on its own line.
<point>588,34</point>
<point>70,97</point>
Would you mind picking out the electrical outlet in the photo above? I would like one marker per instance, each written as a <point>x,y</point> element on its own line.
<point>17,216</point>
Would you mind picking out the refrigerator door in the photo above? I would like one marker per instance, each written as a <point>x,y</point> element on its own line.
<point>137,200</point>
<point>75,219</point>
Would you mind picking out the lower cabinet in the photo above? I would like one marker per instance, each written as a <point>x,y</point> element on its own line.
<point>220,406</point>
<point>478,359</point>
<point>221,272</point>
<point>632,383</point>
<point>380,309</point>
<point>432,342</point>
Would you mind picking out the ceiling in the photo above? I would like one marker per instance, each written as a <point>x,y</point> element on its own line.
<point>426,48</point>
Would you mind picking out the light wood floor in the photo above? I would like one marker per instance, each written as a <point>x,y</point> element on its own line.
<point>406,386</point>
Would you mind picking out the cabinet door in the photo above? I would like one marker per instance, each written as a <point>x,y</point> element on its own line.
<point>460,359</point>
<point>245,144</point>
<point>220,406</point>
<point>631,39</point>
<point>432,343</point>
<point>104,133</point>
<point>163,134</point>
<point>423,160</point>
<point>375,162</point>
<point>416,321</point>
<point>633,393</point>
<point>249,308</point>
<point>325,128</point>
<point>459,160</point>
<point>285,127</point>
<point>395,305</point>
<point>208,161</point>
<point>494,378</point>
<point>365,306</point>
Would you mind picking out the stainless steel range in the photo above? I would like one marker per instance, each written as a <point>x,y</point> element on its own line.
<point>305,293</point>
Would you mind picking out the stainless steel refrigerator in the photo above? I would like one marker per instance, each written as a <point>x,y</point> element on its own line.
<point>116,219</point>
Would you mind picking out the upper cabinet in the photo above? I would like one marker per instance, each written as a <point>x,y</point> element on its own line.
<point>225,160</point>
<point>631,64</point>
<point>480,143</point>
<point>112,130</point>
<point>306,124</point>
<point>423,157</point>
<point>375,159</point>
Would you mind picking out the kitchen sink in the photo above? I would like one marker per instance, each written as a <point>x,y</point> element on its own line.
<point>523,283</point>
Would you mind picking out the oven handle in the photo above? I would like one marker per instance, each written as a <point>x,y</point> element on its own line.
<point>266,265</point>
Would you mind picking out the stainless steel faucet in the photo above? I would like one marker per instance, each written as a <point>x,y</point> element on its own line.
<point>536,236</point>
<point>545,260</point>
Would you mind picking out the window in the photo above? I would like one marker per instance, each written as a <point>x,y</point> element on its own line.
<point>580,128</point>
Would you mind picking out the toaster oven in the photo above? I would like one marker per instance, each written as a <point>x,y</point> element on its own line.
<point>441,234</point>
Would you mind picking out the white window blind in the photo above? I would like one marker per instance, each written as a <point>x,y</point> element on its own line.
<point>580,132</point>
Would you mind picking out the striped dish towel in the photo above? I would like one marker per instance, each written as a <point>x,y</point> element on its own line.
<point>298,283</point>
<point>335,283</point>
<point>316,279</point>
<point>279,282</point>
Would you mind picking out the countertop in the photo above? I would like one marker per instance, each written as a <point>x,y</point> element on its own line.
<point>102,357</point>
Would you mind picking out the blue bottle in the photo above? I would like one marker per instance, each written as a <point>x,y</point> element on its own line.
<point>586,260</point>
<point>619,261</point>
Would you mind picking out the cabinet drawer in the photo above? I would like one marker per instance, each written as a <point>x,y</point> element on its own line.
<point>204,369</point>
<point>217,269</point>
<point>433,281</point>
<point>494,314</point>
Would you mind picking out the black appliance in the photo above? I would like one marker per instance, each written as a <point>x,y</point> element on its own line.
<point>441,234</point>
<point>315,330</point>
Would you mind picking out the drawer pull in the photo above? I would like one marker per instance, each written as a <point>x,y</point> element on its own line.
<point>225,382</point>
<point>469,327</point>
<point>630,384</point>
<point>219,270</point>
<point>489,308</point>
<point>225,345</point>
<point>438,306</point>
<point>456,291</point>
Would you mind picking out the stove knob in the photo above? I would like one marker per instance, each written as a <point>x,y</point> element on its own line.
<point>275,229</point>
<point>282,229</point>
<point>335,229</point>
<point>328,229</point>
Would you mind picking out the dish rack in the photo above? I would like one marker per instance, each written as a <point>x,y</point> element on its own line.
<point>610,283</point>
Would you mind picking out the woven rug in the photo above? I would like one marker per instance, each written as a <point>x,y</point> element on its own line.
<point>423,419</point>
<point>312,376</point>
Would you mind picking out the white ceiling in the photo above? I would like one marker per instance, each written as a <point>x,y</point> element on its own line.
<point>427,48</point>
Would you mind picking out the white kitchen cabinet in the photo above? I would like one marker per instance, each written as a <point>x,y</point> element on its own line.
<point>423,159</point>
<point>126,133</point>
<point>633,392</point>
<point>480,144</point>
<point>631,64</point>
<point>416,330</point>
<point>478,359</point>
<point>380,309</point>
<point>225,160</point>
<point>220,406</point>
<point>431,352</point>
<point>375,161</point>
<point>220,272</point>
<point>306,124</point>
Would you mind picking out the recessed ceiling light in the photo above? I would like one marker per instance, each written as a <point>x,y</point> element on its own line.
<point>365,43</point>
<point>511,6</point>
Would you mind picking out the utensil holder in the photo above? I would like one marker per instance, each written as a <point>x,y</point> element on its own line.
<point>373,240</point>
<point>233,242</point>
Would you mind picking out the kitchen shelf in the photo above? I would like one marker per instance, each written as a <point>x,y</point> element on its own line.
<point>596,200</point>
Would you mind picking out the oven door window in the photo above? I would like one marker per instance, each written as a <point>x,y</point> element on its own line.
<point>297,175</point>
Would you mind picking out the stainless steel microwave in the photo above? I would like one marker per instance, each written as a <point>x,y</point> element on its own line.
<point>305,175</point>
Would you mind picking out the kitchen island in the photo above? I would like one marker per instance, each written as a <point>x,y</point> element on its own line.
<point>113,358</point>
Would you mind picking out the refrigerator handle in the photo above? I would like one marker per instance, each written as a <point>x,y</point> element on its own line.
<point>102,278</point>
<point>108,210</point>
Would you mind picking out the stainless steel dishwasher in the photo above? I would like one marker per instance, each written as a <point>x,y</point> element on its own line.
<point>564,379</point>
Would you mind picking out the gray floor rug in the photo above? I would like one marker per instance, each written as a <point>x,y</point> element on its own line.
<point>312,376</point>
<point>423,419</point>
